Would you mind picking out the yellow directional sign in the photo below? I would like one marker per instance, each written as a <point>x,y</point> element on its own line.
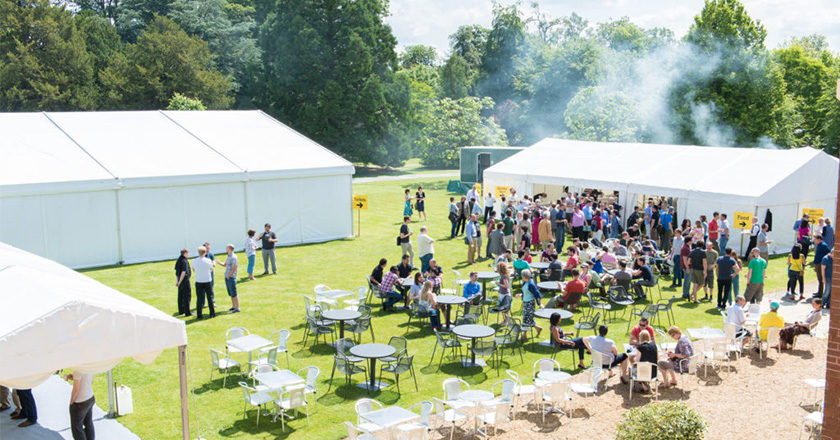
<point>742,220</point>
<point>478,190</point>
<point>502,191</point>
<point>813,214</point>
<point>360,202</point>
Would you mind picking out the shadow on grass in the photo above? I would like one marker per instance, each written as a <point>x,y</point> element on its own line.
<point>231,383</point>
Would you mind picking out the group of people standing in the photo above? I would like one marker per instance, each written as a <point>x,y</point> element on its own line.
<point>203,269</point>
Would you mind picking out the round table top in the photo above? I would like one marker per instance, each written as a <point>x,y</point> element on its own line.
<point>546,313</point>
<point>550,285</point>
<point>475,396</point>
<point>473,331</point>
<point>406,281</point>
<point>539,265</point>
<point>487,275</point>
<point>554,376</point>
<point>341,314</point>
<point>450,299</point>
<point>372,351</point>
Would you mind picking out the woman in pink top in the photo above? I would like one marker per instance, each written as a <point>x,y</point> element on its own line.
<point>535,234</point>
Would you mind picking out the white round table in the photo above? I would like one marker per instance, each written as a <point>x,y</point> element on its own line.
<point>554,376</point>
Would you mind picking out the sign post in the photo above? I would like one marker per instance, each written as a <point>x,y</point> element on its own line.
<point>359,203</point>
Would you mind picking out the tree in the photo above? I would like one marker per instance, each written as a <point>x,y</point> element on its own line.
<point>502,53</point>
<point>595,114</point>
<point>132,16</point>
<point>469,43</point>
<point>458,123</point>
<point>329,72</point>
<point>165,60</point>
<point>726,22</point>
<point>418,55</point>
<point>181,102</point>
<point>456,77</point>
<point>235,50</point>
<point>44,64</point>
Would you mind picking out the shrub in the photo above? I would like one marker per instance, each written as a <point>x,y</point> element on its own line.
<point>661,421</point>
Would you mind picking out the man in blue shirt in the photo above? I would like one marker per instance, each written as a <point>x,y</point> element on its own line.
<point>587,211</point>
<point>665,237</point>
<point>828,234</point>
<point>820,250</point>
<point>827,267</point>
<point>472,288</point>
<point>472,238</point>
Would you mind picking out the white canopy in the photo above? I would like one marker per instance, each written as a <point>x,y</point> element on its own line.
<point>56,318</point>
<point>96,188</point>
<point>703,179</point>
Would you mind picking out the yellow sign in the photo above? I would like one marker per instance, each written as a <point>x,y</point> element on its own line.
<point>813,214</point>
<point>359,202</point>
<point>742,220</point>
<point>478,191</point>
<point>502,191</point>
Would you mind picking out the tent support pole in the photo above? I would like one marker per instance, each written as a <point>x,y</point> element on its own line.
<point>112,412</point>
<point>185,413</point>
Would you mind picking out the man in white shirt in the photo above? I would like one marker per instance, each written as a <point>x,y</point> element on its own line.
<point>735,315</point>
<point>723,230</point>
<point>203,270</point>
<point>472,194</point>
<point>489,203</point>
<point>606,346</point>
<point>81,405</point>
<point>425,248</point>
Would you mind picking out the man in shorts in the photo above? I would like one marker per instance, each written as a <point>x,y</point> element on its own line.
<point>698,265</point>
<point>231,265</point>
<point>756,274</point>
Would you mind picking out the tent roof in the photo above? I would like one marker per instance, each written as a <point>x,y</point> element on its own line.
<point>57,318</point>
<point>152,148</point>
<point>669,170</point>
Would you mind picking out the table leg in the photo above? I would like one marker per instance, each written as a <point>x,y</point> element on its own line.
<point>483,290</point>
<point>340,329</point>
<point>372,374</point>
<point>448,309</point>
<point>472,352</point>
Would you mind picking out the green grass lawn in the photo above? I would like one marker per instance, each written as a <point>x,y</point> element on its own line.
<point>275,302</point>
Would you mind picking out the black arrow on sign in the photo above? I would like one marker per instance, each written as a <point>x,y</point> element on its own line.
<point>743,224</point>
<point>360,204</point>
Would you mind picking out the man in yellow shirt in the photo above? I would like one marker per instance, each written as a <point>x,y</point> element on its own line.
<point>771,319</point>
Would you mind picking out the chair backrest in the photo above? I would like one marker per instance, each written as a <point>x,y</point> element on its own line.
<point>214,357</point>
<point>342,346</point>
<point>364,406</point>
<point>644,371</point>
<point>297,395</point>
<point>515,332</point>
<point>729,330</point>
<point>236,332</point>
<point>425,411</point>
<point>773,335</point>
<point>507,389</point>
<point>282,338</point>
<point>351,431</point>
<point>545,364</point>
<point>365,311</point>
<point>557,391</point>
<point>514,376</point>
<point>452,388</point>
<point>441,340</point>
<point>399,343</point>
<point>271,356</point>
<point>595,318</point>
<point>311,375</point>
<point>320,288</point>
<point>404,363</point>
<point>719,349</point>
<point>247,391</point>
<point>693,362</point>
<point>754,310</point>
<point>440,407</point>
<point>600,358</point>
<point>361,294</point>
<point>264,368</point>
<point>362,324</point>
<point>457,274</point>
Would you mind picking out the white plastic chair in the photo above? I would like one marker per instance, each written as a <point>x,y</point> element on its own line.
<point>359,299</point>
<point>719,352</point>
<point>233,333</point>
<point>357,433</point>
<point>771,340</point>
<point>813,421</point>
<point>445,416</point>
<point>409,430</point>
<point>282,338</point>
<point>270,358</point>
<point>492,415</point>
<point>451,391</point>
<point>293,398</point>
<point>321,288</point>
<point>223,363</point>
<point>644,373</point>
<point>311,378</point>
<point>733,342</point>
<point>554,393</point>
<point>587,383</point>
<point>364,406</point>
<point>520,390</point>
<point>255,398</point>
<point>541,365</point>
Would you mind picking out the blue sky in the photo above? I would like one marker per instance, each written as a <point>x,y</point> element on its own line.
<point>430,22</point>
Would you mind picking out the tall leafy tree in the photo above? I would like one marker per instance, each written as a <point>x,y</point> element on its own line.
<point>469,43</point>
<point>595,114</point>
<point>418,55</point>
<point>163,61</point>
<point>132,16</point>
<point>502,53</point>
<point>455,124</point>
<point>329,72</point>
<point>44,63</point>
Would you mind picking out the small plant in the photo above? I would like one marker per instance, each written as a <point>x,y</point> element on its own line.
<point>661,421</point>
<point>181,102</point>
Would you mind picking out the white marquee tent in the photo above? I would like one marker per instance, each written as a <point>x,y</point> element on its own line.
<point>700,179</point>
<point>55,318</point>
<point>97,188</point>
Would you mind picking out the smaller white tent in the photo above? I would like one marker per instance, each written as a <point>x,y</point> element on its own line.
<point>55,318</point>
<point>701,179</point>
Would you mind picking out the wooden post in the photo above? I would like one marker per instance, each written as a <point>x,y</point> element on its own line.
<point>185,412</point>
<point>831,415</point>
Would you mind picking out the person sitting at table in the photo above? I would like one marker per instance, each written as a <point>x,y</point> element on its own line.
<point>788,333</point>
<point>520,264</point>
<point>435,274</point>
<point>591,279</point>
<point>643,276</point>
<point>472,290</point>
<point>554,272</point>
<point>621,249</point>
<point>623,276</point>
<point>646,351</point>
<point>735,315</point>
<point>573,261</point>
<point>405,268</point>
<point>531,299</point>
<point>572,292</point>
<point>506,257</point>
<point>428,299</point>
<point>770,319</point>
<point>606,346</point>
<point>375,277</point>
<point>584,254</point>
<point>414,290</point>
<point>637,330</point>
<point>525,238</point>
<point>504,290</point>
<point>548,252</point>
<point>678,359</point>
<point>387,289</point>
<point>559,341</point>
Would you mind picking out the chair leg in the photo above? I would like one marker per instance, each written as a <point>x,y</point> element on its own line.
<point>414,376</point>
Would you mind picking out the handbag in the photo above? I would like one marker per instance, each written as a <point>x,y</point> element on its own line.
<point>398,241</point>
<point>467,241</point>
<point>452,216</point>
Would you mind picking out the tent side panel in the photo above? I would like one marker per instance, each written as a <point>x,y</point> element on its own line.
<point>75,229</point>
<point>333,193</point>
<point>276,202</point>
<point>157,222</point>
<point>782,232</point>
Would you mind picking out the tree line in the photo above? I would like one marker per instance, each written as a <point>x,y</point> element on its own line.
<point>331,69</point>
